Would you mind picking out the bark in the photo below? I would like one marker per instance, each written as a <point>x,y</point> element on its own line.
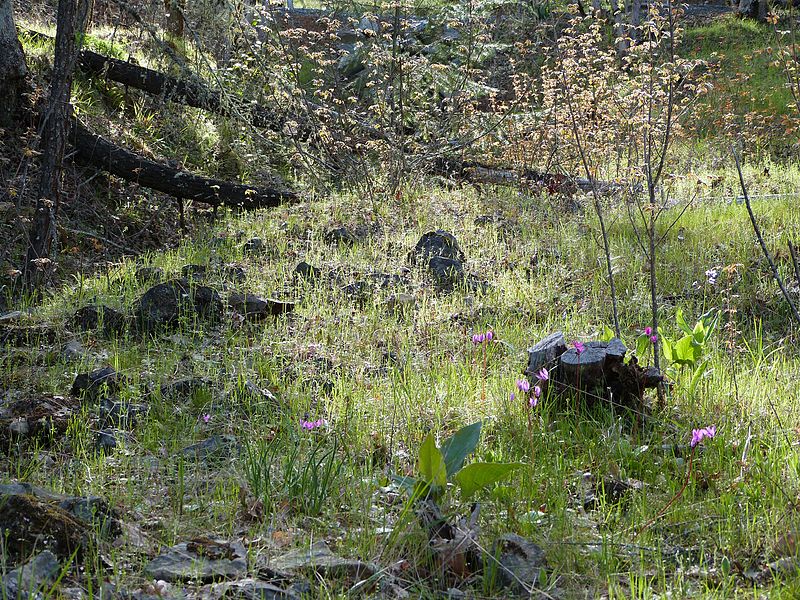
<point>174,10</point>
<point>103,154</point>
<point>55,122</point>
<point>12,66</point>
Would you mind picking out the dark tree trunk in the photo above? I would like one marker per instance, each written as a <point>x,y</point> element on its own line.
<point>174,13</point>
<point>101,153</point>
<point>12,66</point>
<point>54,123</point>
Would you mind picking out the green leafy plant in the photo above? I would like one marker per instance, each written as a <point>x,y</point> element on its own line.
<point>438,466</point>
<point>689,350</point>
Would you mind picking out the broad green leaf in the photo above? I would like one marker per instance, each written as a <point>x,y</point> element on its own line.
<point>405,482</point>
<point>478,476</point>
<point>642,346</point>
<point>456,448</point>
<point>683,351</point>
<point>666,345</point>
<point>431,463</point>
<point>697,375</point>
<point>608,334</point>
<point>682,322</point>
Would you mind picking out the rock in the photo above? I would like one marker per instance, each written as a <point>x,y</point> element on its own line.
<point>447,272</point>
<point>93,317</point>
<point>255,308</point>
<point>753,9</point>
<point>106,441</point>
<point>122,414</point>
<point>215,447</point>
<point>202,559</point>
<point>341,235</point>
<point>254,393</point>
<point>436,243</point>
<point>545,353</point>
<point>10,317</point>
<point>91,386</point>
<point>254,246</point>
<point>73,351</point>
<point>358,291</point>
<point>249,589</point>
<point>369,27</point>
<point>163,305</point>
<point>306,272</point>
<point>519,564</point>
<point>94,511</point>
<point>28,523</point>
<point>29,580</point>
<point>320,561</point>
<point>194,272</point>
<point>234,273</point>
<point>148,274</point>
<point>400,303</point>
<point>19,427</point>
<point>184,388</point>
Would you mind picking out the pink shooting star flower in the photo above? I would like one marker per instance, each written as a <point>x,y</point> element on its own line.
<point>579,346</point>
<point>698,435</point>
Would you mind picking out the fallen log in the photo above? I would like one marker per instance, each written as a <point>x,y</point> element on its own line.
<point>103,154</point>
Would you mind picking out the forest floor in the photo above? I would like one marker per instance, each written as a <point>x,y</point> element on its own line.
<point>250,447</point>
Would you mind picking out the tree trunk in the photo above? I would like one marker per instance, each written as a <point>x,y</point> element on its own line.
<point>12,65</point>
<point>174,13</point>
<point>55,123</point>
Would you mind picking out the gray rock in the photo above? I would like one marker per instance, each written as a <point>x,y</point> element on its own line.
<point>436,243</point>
<point>11,317</point>
<point>216,447</point>
<point>149,274</point>
<point>184,388</point>
<point>446,272</point>
<point>163,305</point>
<point>194,272</point>
<point>306,272</point>
<point>19,427</point>
<point>28,580</point>
<point>248,589</point>
<point>401,303</point>
<point>519,564</point>
<point>73,351</point>
<point>93,317</point>
<point>201,560</point>
<point>95,511</point>
<point>341,235</point>
<point>234,273</point>
<point>106,441</point>
<point>319,560</point>
<point>123,414</point>
<point>91,386</point>
<point>255,308</point>
<point>545,353</point>
<point>254,246</point>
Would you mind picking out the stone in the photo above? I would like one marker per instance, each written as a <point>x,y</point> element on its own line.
<point>91,386</point>
<point>545,353</point>
<point>121,414</point>
<point>401,303</point>
<point>148,274</point>
<point>195,272</point>
<point>184,388</point>
<point>73,351</point>
<point>436,243</point>
<point>106,441</point>
<point>520,562</point>
<point>306,272</point>
<point>318,560</point>
<point>29,580</point>
<point>201,559</point>
<point>92,317</point>
<point>341,235</point>
<point>249,589</point>
<point>256,308</point>
<point>215,447</point>
<point>358,291</point>
<point>94,511</point>
<point>446,272</point>
<point>254,246</point>
<point>163,305</point>
<point>19,427</point>
<point>28,523</point>
<point>235,273</point>
<point>11,317</point>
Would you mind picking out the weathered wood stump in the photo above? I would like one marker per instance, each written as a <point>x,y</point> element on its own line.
<point>599,372</point>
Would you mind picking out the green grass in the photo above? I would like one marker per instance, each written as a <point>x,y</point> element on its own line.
<point>378,413</point>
